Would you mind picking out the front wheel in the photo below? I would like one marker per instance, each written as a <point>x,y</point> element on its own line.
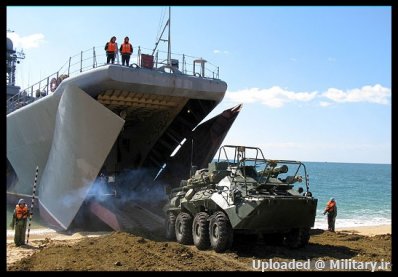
<point>220,232</point>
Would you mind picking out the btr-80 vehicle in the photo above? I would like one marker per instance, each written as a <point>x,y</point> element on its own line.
<point>242,193</point>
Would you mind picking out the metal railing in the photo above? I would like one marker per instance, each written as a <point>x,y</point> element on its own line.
<point>88,59</point>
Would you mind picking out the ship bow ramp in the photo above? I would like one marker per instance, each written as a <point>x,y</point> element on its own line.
<point>69,141</point>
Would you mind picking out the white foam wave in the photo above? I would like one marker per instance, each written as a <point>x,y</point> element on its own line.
<point>321,223</point>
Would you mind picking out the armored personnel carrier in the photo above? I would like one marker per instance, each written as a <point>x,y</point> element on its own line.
<point>242,193</point>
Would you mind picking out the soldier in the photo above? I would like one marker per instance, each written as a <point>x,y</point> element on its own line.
<point>331,210</point>
<point>19,220</point>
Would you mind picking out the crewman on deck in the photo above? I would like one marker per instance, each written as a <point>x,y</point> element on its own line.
<point>331,210</point>
<point>126,49</point>
<point>19,219</point>
<point>111,50</point>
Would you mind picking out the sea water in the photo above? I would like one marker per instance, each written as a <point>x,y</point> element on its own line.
<point>362,192</point>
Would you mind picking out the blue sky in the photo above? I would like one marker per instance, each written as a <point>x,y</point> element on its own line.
<point>315,81</point>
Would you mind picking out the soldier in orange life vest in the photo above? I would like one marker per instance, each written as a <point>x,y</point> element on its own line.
<point>126,49</point>
<point>111,49</point>
<point>331,210</point>
<point>19,219</point>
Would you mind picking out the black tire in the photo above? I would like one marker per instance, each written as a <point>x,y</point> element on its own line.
<point>183,228</point>
<point>170,226</point>
<point>298,237</point>
<point>220,232</point>
<point>200,231</point>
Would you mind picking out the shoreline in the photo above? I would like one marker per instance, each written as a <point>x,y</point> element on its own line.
<point>48,233</point>
<point>367,230</point>
<point>42,233</point>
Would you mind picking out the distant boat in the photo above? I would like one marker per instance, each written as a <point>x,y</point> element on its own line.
<point>105,121</point>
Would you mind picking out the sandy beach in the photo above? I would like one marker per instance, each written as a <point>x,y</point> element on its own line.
<point>367,230</point>
<point>50,250</point>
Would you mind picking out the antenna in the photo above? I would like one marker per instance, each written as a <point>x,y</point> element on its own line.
<point>193,168</point>
<point>191,151</point>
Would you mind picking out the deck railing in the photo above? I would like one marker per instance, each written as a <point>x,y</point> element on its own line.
<point>96,57</point>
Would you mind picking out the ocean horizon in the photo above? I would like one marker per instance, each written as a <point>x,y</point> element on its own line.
<point>345,162</point>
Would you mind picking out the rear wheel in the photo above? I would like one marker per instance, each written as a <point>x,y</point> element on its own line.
<point>298,237</point>
<point>220,232</point>
<point>200,231</point>
<point>170,226</point>
<point>183,228</point>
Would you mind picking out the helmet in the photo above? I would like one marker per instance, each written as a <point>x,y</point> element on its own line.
<point>21,201</point>
<point>332,199</point>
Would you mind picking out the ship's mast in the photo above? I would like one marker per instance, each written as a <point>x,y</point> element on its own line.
<point>168,39</point>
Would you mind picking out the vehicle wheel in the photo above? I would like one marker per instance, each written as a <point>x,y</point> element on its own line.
<point>298,237</point>
<point>220,232</point>
<point>170,226</point>
<point>200,231</point>
<point>183,228</point>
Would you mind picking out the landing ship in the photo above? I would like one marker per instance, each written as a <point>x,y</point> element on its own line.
<point>103,120</point>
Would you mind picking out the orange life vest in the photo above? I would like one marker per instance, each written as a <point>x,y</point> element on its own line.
<point>126,49</point>
<point>111,47</point>
<point>21,212</point>
<point>330,206</point>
